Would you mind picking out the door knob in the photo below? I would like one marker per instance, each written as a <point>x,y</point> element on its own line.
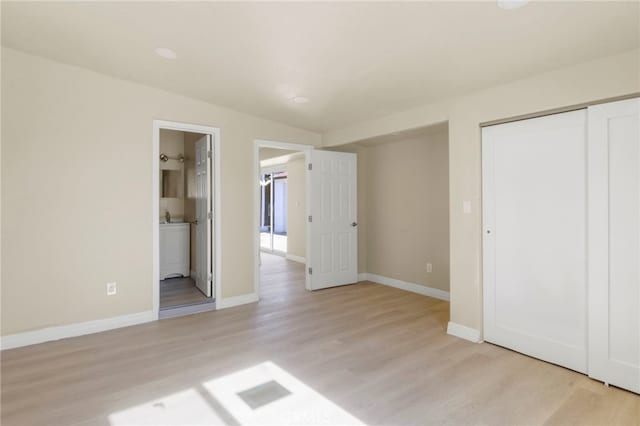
<point>354,224</point>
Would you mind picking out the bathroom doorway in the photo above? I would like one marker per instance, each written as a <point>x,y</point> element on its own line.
<point>186,219</point>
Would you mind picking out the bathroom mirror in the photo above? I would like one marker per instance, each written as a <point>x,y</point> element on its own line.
<point>171,184</point>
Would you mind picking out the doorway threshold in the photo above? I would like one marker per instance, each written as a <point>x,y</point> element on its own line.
<point>274,252</point>
<point>182,310</point>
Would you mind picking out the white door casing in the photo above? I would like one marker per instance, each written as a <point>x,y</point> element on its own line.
<point>534,237</point>
<point>614,243</point>
<point>334,234</point>
<point>204,215</point>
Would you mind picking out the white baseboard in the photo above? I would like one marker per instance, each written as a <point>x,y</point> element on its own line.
<point>464,332</point>
<point>230,302</point>
<point>192,274</point>
<point>403,285</point>
<point>72,330</point>
<point>295,258</point>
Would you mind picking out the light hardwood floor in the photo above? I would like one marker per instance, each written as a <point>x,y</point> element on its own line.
<point>380,353</point>
<point>180,291</point>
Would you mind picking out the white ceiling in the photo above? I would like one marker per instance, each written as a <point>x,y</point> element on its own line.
<point>353,61</point>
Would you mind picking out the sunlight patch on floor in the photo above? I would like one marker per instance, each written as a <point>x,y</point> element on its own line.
<point>263,394</point>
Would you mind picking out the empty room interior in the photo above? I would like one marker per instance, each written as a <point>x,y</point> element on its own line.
<point>320,213</point>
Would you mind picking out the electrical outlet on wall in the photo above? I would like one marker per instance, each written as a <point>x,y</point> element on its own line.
<point>429,268</point>
<point>112,288</point>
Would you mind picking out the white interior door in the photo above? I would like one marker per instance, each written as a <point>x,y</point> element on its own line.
<point>204,216</point>
<point>534,245</point>
<point>334,233</point>
<point>614,243</point>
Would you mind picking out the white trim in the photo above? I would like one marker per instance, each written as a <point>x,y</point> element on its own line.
<point>464,332</point>
<point>230,302</point>
<point>261,143</point>
<point>72,330</point>
<point>295,258</point>
<point>192,274</point>
<point>217,216</point>
<point>403,285</point>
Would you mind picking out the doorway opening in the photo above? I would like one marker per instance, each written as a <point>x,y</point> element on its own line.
<point>186,219</point>
<point>327,256</point>
<point>281,211</point>
<point>274,205</point>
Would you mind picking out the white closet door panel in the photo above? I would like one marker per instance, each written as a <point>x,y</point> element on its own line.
<point>534,198</point>
<point>614,229</point>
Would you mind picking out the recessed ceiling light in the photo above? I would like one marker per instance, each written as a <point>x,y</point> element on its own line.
<point>511,4</point>
<point>166,53</point>
<point>300,99</point>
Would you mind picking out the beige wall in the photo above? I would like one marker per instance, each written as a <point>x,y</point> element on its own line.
<point>172,144</point>
<point>76,180</point>
<point>407,210</point>
<point>296,208</point>
<point>270,153</point>
<point>608,77</point>
<point>77,191</point>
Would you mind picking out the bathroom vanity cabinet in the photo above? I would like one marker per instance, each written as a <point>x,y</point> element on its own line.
<point>174,250</point>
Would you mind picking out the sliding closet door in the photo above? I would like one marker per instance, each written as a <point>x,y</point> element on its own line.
<point>534,245</point>
<point>614,243</point>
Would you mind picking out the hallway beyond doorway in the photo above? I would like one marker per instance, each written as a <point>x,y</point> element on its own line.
<point>279,241</point>
<point>280,277</point>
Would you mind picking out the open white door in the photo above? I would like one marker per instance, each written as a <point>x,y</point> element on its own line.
<point>204,216</point>
<point>334,232</point>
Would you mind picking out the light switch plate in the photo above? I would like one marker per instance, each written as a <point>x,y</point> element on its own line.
<point>466,207</point>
